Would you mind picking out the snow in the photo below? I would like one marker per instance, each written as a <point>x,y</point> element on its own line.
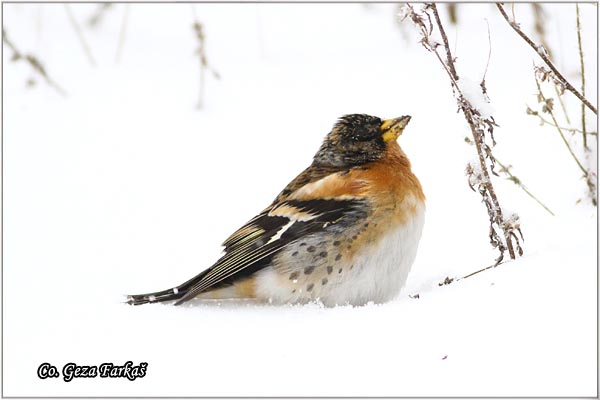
<point>473,93</point>
<point>125,187</point>
<point>542,51</point>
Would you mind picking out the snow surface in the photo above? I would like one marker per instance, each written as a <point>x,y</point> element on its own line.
<point>124,187</point>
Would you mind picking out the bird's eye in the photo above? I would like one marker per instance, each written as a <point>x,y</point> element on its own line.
<point>362,134</point>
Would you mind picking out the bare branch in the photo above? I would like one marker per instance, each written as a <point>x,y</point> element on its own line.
<point>33,61</point>
<point>450,60</point>
<point>542,53</point>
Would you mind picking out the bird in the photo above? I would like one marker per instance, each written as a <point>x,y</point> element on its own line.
<point>345,231</point>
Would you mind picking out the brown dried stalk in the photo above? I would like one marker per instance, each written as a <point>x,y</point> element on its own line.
<point>502,231</point>
<point>585,146</point>
<point>540,50</point>
<point>476,272</point>
<point>201,51</point>
<point>33,61</point>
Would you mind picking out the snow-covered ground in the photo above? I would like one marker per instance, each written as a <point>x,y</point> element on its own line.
<point>124,186</point>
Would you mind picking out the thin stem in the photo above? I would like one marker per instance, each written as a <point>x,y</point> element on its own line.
<point>537,82</point>
<point>450,60</point>
<point>538,18</point>
<point>478,271</point>
<point>539,50</point>
<point>545,121</point>
<point>562,105</point>
<point>79,33</point>
<point>585,146</point>
<point>487,64</point>
<point>35,64</point>
<point>520,184</point>
<point>122,34</point>
<point>197,26</point>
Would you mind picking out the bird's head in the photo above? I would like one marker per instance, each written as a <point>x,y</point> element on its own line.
<point>358,139</point>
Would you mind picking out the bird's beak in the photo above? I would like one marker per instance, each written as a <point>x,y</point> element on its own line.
<point>392,128</point>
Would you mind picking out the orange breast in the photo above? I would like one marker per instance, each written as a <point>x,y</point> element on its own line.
<point>388,183</point>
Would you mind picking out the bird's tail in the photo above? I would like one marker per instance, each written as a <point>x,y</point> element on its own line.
<point>175,293</point>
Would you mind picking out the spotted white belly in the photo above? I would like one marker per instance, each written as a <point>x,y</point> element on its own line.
<point>377,273</point>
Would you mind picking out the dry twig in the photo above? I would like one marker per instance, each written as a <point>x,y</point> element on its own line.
<point>201,51</point>
<point>33,61</point>
<point>541,51</point>
<point>502,230</point>
<point>476,272</point>
<point>585,146</point>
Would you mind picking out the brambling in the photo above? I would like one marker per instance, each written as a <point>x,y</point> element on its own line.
<point>344,231</point>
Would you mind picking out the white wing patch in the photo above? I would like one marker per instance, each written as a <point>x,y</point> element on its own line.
<point>281,231</point>
<point>294,215</point>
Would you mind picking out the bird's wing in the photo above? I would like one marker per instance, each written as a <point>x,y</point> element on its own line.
<point>253,246</point>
